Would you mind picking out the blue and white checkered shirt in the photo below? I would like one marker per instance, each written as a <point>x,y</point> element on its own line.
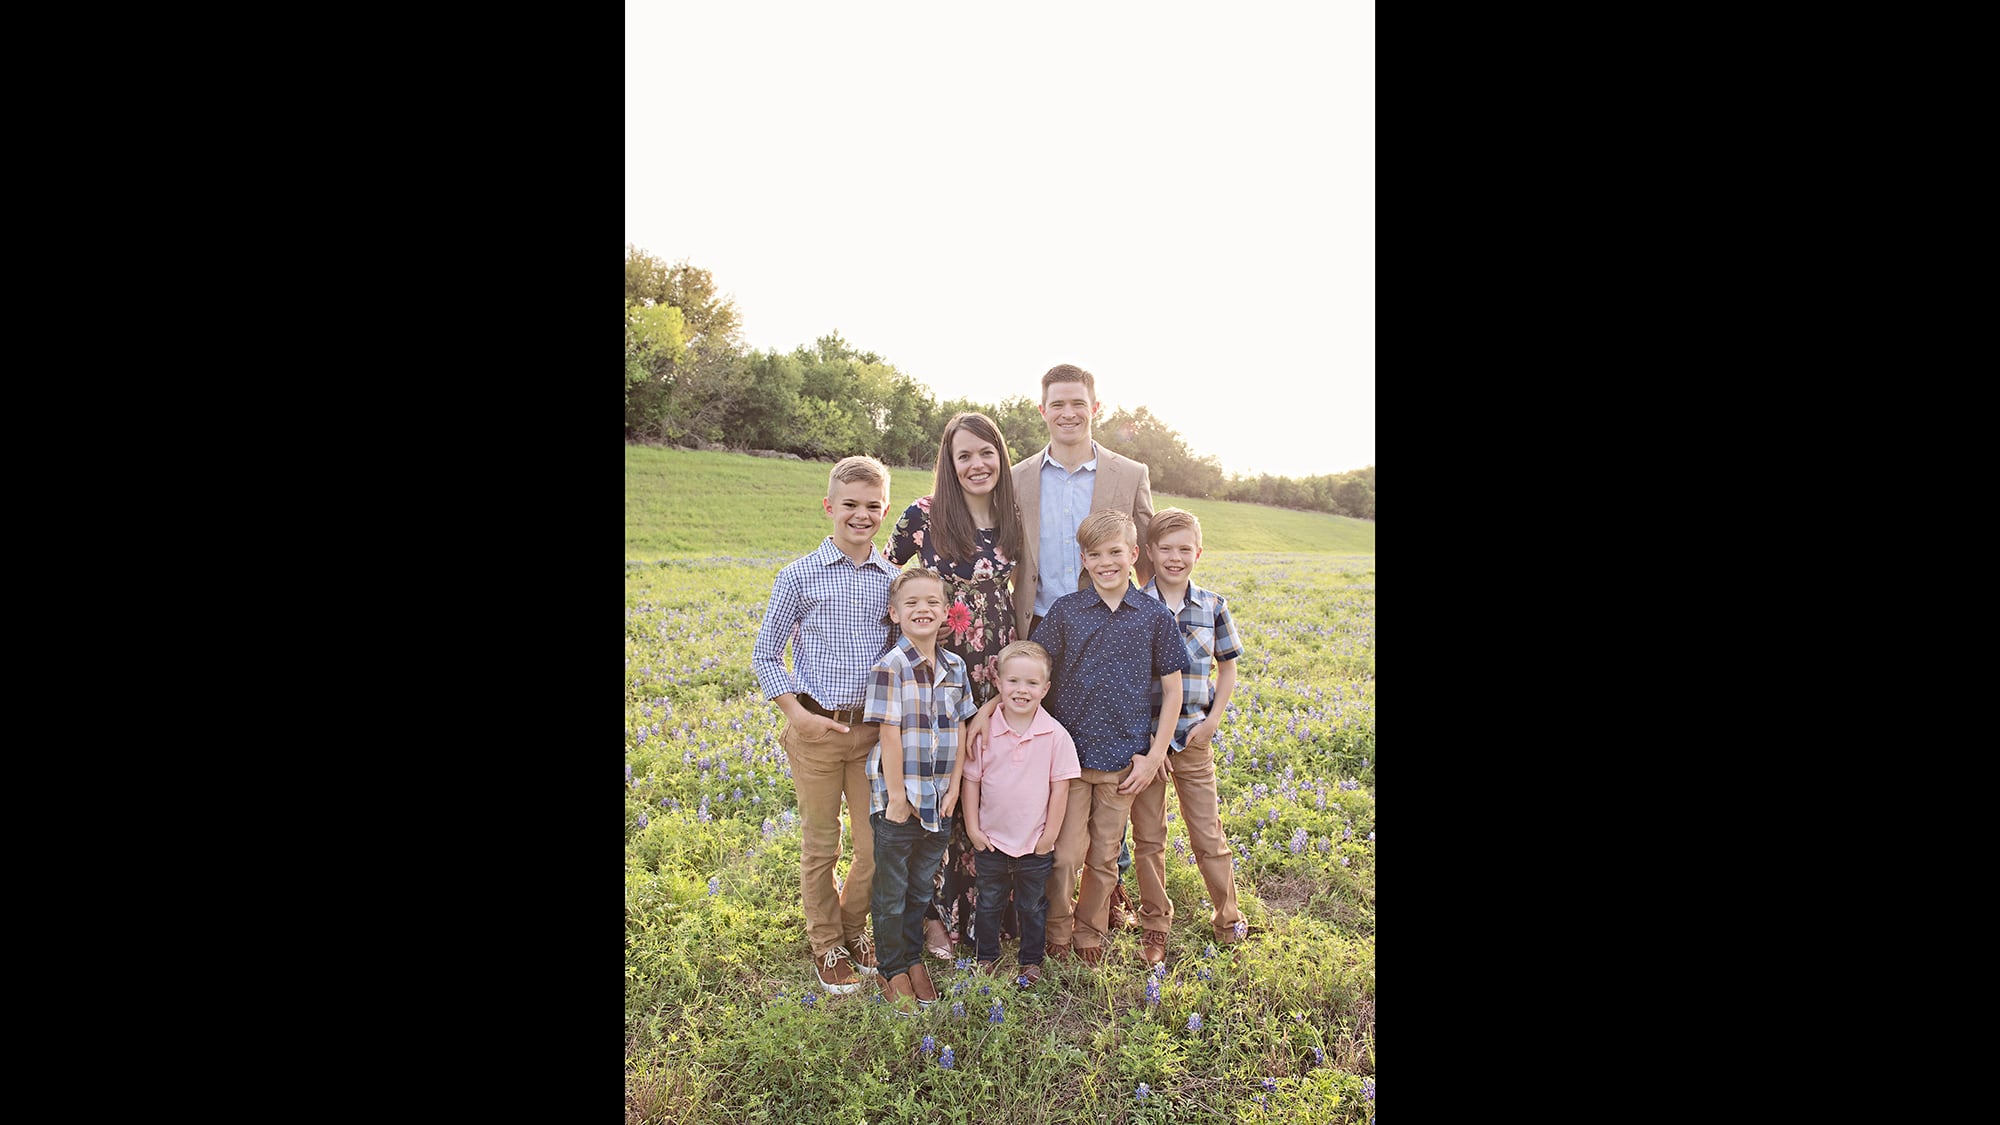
<point>832,613</point>
<point>927,703</point>
<point>1210,636</point>
<point>1066,497</point>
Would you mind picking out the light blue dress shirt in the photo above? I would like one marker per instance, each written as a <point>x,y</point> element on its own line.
<point>1065,502</point>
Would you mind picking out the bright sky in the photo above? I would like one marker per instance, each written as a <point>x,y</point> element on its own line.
<point>1179,198</point>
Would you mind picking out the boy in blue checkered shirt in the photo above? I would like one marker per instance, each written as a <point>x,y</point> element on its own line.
<point>920,694</point>
<point>828,608</point>
<point>1213,648</point>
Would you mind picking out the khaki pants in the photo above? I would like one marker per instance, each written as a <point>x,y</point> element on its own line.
<point>1201,812</point>
<point>824,770</point>
<point>1093,829</point>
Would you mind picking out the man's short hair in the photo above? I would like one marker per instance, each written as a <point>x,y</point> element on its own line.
<point>1069,373</point>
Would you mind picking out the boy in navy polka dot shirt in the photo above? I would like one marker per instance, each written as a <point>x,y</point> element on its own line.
<point>1112,649</point>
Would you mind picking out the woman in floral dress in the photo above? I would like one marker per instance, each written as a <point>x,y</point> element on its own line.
<point>968,531</point>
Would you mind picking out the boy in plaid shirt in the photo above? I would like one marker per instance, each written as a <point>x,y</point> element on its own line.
<point>1212,647</point>
<point>921,695</point>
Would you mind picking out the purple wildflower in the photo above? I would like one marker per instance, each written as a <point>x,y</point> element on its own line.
<point>1242,929</point>
<point>1194,1021</point>
<point>996,1015</point>
<point>1270,1084</point>
<point>1319,1056</point>
<point>958,1010</point>
<point>1368,1088</point>
<point>642,820</point>
<point>948,1059</point>
<point>714,884</point>
<point>1298,841</point>
<point>930,1044</point>
<point>1152,990</point>
<point>809,999</point>
<point>1143,1092</point>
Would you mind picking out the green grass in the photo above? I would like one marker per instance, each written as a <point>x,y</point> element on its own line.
<point>724,1021</point>
<point>683,503</point>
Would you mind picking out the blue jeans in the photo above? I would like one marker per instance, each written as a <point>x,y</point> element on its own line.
<point>1025,876</point>
<point>907,858</point>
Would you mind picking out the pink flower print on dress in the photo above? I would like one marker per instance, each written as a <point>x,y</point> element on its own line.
<point>982,570</point>
<point>924,504</point>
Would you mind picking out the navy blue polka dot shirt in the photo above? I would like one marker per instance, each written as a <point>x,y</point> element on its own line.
<point>1106,663</point>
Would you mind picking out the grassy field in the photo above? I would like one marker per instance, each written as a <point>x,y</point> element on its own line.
<point>684,504</point>
<point>724,1021</point>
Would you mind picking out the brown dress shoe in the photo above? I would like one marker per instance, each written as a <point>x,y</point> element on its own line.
<point>1057,951</point>
<point>1153,947</point>
<point>1090,954</point>
<point>921,986</point>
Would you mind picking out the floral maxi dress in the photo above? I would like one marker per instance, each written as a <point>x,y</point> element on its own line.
<point>978,625</point>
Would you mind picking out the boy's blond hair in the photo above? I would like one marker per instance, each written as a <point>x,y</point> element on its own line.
<point>866,470</point>
<point>1100,527</point>
<point>1166,521</point>
<point>1032,651</point>
<point>905,577</point>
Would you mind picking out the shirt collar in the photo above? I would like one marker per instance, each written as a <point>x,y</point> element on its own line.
<point>1090,464</point>
<point>1193,594</point>
<point>1042,723</point>
<point>830,553</point>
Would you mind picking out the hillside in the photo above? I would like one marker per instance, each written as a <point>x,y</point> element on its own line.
<point>682,503</point>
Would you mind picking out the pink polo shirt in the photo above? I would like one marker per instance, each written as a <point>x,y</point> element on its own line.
<point>1014,772</point>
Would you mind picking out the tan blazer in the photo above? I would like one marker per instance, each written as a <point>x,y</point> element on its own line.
<point>1122,484</point>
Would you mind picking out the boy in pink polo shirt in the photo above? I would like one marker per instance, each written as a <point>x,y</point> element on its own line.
<point>1016,794</point>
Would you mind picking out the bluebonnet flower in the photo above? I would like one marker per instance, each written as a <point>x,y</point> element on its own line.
<point>1204,975</point>
<point>702,814</point>
<point>1194,1021</point>
<point>739,792</point>
<point>1319,1055</point>
<point>628,771</point>
<point>1364,763</point>
<point>1298,841</point>
<point>1270,1084</point>
<point>664,802</point>
<point>1210,951</point>
<point>769,828</point>
<point>1260,1101</point>
<point>714,884</point>
<point>1368,1088</point>
<point>1242,930</point>
<point>809,999</point>
<point>957,987</point>
<point>964,963</point>
<point>1371,837</point>
<point>1143,1092</point>
<point>930,1044</point>
<point>958,1010</point>
<point>996,1015</point>
<point>985,990</point>
<point>948,1059</point>
<point>642,820</point>
<point>1022,981</point>
<point>1152,990</point>
<point>1343,861</point>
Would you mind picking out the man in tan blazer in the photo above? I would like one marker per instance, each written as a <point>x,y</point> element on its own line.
<point>1080,478</point>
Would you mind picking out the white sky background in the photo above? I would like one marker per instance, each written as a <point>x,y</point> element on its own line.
<point>1178,198</point>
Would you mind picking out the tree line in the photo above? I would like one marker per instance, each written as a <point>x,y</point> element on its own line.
<point>689,381</point>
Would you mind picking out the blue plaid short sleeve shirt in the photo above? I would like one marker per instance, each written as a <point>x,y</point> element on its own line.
<point>927,702</point>
<point>1210,636</point>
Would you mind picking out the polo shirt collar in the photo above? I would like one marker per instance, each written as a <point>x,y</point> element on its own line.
<point>1043,723</point>
<point>1122,603</point>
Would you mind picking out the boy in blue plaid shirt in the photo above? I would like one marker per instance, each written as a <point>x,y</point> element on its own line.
<point>1212,647</point>
<point>921,696</point>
